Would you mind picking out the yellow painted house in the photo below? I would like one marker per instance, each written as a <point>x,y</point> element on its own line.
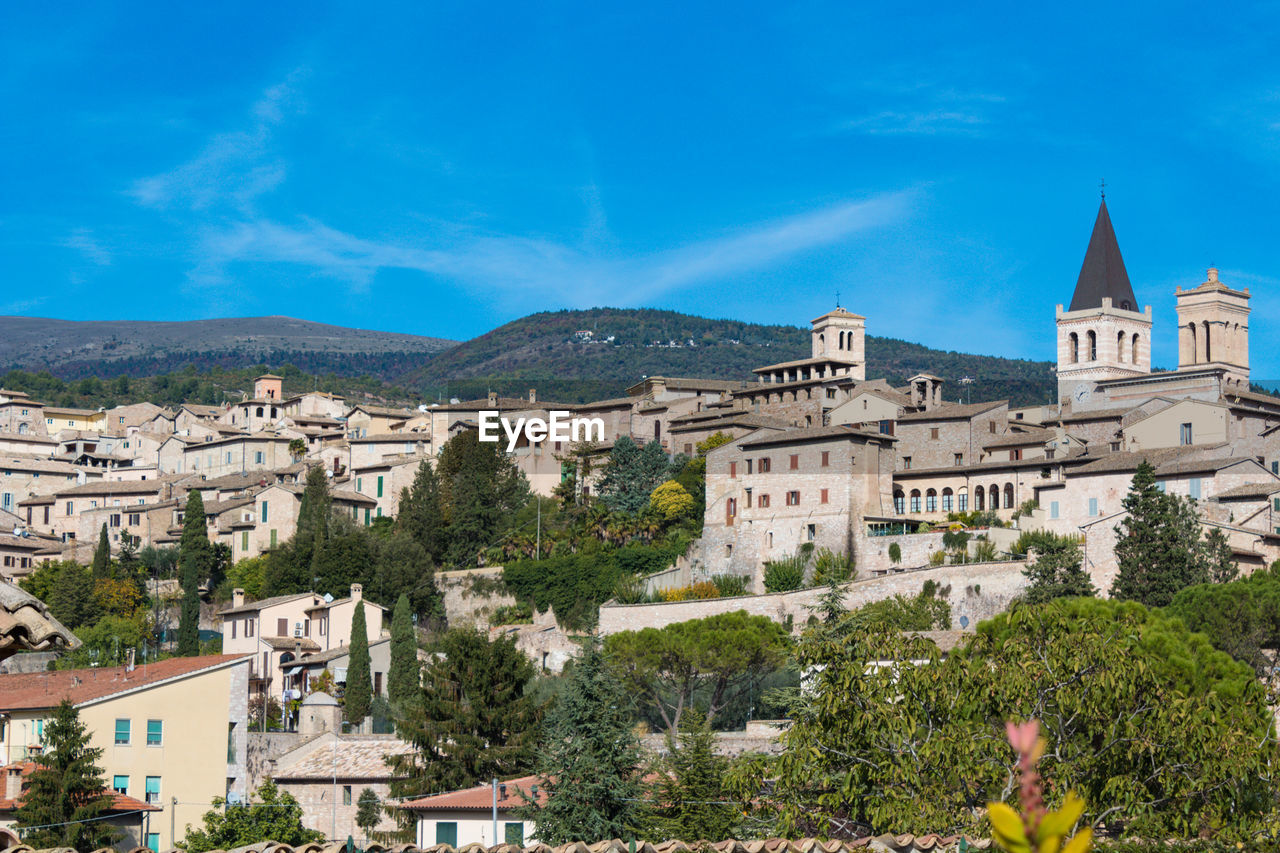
<point>172,733</point>
<point>85,420</point>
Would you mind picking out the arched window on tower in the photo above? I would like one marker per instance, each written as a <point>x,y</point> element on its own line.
<point>1191,340</point>
<point>1208,347</point>
<point>1092,343</point>
<point>1134,351</point>
<point>1120,346</point>
<point>822,344</point>
<point>1073,348</point>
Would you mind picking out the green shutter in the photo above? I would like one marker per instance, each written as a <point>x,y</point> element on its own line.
<point>379,487</point>
<point>447,832</point>
<point>155,732</point>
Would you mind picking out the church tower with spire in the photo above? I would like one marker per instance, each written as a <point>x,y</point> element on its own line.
<point>1102,334</point>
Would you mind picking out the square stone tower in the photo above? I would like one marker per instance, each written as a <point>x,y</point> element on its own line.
<point>840,335</point>
<point>1102,335</point>
<point>1213,329</point>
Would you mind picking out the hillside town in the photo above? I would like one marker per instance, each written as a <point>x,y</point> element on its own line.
<point>909,487</point>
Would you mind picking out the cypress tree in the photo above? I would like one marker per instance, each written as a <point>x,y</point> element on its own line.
<point>71,598</point>
<point>195,558</point>
<point>189,624</point>
<point>1158,546</point>
<point>313,518</point>
<point>420,514</point>
<point>102,556</point>
<point>359,692</point>
<point>402,680</point>
<point>590,762</point>
<point>66,788</point>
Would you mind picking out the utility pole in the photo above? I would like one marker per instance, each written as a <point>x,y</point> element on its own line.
<point>494,843</point>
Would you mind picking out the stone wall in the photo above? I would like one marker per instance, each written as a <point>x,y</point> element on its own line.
<point>468,599</point>
<point>978,591</point>
<point>872,552</point>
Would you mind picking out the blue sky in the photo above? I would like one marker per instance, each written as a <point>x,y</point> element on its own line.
<point>443,168</point>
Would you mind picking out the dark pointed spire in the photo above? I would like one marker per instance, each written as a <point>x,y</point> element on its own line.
<point>1103,273</point>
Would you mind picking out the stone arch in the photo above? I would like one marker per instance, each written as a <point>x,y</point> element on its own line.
<point>1134,351</point>
<point>1120,346</point>
<point>1191,340</point>
<point>822,344</point>
<point>1208,345</point>
<point>259,411</point>
<point>1008,495</point>
<point>1091,338</point>
<point>931,500</point>
<point>1073,348</point>
<point>899,502</point>
<point>979,498</point>
<point>962,499</point>
<point>915,500</point>
<point>948,500</point>
<point>993,496</point>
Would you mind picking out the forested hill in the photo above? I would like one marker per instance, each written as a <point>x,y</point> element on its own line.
<point>569,356</point>
<point>573,356</point>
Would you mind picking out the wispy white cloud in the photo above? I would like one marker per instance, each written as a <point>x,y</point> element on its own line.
<point>83,241</point>
<point>909,105</point>
<point>930,123</point>
<point>541,267</point>
<point>233,168</point>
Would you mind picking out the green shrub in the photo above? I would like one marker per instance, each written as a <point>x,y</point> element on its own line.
<point>730,585</point>
<point>984,551</point>
<point>520,613</point>
<point>895,552</point>
<point>784,575</point>
<point>830,567</point>
<point>937,558</point>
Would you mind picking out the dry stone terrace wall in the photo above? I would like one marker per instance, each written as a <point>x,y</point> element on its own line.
<point>978,591</point>
<point>467,601</point>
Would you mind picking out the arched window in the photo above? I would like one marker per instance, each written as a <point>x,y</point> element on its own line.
<point>1008,495</point>
<point>1120,346</point>
<point>841,341</point>
<point>978,498</point>
<point>993,496</point>
<point>1073,348</point>
<point>1208,346</point>
<point>822,344</point>
<point>899,502</point>
<point>1134,351</point>
<point>931,501</point>
<point>948,500</point>
<point>273,412</point>
<point>962,500</point>
<point>657,429</point>
<point>1093,345</point>
<point>259,411</point>
<point>1191,339</point>
<point>915,500</point>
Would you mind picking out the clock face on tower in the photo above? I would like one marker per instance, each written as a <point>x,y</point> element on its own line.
<point>1082,393</point>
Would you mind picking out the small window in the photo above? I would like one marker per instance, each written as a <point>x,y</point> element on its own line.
<point>1184,434</point>
<point>793,498</point>
<point>264,517</point>
<point>120,784</point>
<point>155,732</point>
<point>765,464</point>
<point>733,469</point>
<point>379,487</point>
<point>447,832</point>
<point>513,833</point>
<point>933,433</point>
<point>1193,488</point>
<point>346,795</point>
<point>795,461</point>
<point>153,789</point>
<point>906,463</point>
<point>810,532</point>
<point>764,501</point>
<point>958,458</point>
<point>122,732</point>
<point>1093,507</point>
<point>823,496</point>
<point>826,458</point>
<point>1053,509</point>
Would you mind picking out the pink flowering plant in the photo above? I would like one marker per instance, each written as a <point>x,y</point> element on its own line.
<point>1036,829</point>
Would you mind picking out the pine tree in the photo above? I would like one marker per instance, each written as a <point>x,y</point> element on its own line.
<point>71,599</point>
<point>368,811</point>
<point>1221,560</point>
<point>689,795</point>
<point>359,691</point>
<point>632,474</point>
<point>1158,546</point>
<point>419,512</point>
<point>1058,573</point>
<point>590,760</point>
<point>402,680</point>
<point>472,719</point>
<point>102,556</point>
<point>67,788</point>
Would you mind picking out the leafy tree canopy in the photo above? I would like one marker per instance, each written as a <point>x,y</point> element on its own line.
<point>271,813</point>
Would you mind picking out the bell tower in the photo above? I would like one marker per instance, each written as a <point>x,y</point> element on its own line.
<point>1102,334</point>
<point>840,336</point>
<point>1213,329</point>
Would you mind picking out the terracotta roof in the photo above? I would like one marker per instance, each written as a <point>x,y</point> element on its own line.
<point>27,626</point>
<point>32,691</point>
<point>953,411</point>
<point>359,757</point>
<point>254,606</point>
<point>1255,491</point>
<point>397,437</point>
<point>120,487</point>
<point>744,419</point>
<point>481,797</point>
<point>37,463</point>
<point>611,403</point>
<point>793,436</point>
<point>381,411</point>
<point>1097,414</point>
<point>1022,438</point>
<point>1162,458</point>
<point>289,643</point>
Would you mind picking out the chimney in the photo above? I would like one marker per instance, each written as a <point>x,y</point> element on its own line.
<point>13,783</point>
<point>357,592</point>
<point>533,395</point>
<point>493,398</point>
<point>129,660</point>
<point>237,597</point>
